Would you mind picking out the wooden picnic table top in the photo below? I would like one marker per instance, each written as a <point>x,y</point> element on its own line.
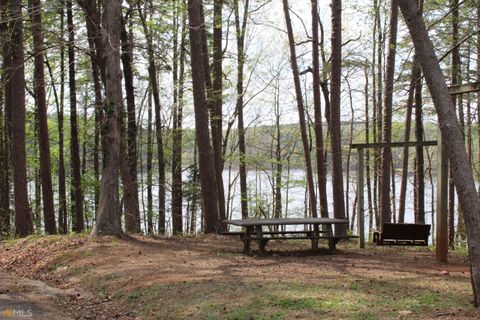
<point>284,221</point>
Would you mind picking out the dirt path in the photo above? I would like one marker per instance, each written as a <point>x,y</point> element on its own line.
<point>30,299</point>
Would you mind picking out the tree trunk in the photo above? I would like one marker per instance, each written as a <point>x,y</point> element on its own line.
<point>240,32</point>
<point>37,203</point>
<point>420,172</point>
<point>215,116</point>
<point>367,153</point>
<point>76,193</point>
<point>129,156</point>
<point>414,77</point>
<point>98,75</point>
<point>109,211</point>
<point>278,156</point>
<point>35,11</point>
<point>205,156</point>
<point>177,221</point>
<point>4,123</point>
<point>349,156</point>
<point>378,84</point>
<point>179,79</point>
<point>94,32</point>
<point>335,125</point>
<point>149,166</point>
<point>98,106</point>
<point>452,135</point>
<point>15,110</point>
<point>478,80</point>
<point>385,208</point>
<point>301,111</point>
<point>320,150</point>
<point>62,187</point>
<point>217,108</point>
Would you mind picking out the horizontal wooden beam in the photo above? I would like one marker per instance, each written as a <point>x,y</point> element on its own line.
<point>392,144</point>
<point>464,88</point>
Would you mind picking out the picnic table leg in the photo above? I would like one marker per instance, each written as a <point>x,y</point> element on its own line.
<point>261,241</point>
<point>315,239</point>
<point>331,240</point>
<point>247,240</point>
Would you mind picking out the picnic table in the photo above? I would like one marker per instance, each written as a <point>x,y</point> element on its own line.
<point>253,230</point>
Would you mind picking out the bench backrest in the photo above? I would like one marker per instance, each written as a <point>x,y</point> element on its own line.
<point>405,231</point>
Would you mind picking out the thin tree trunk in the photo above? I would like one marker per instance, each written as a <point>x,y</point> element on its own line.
<point>393,197</point>
<point>419,158</point>
<point>83,171</point>
<point>15,110</point>
<point>179,55</point>
<point>205,154</point>
<point>4,123</point>
<point>35,10</point>
<point>278,155</point>
<point>469,111</point>
<point>149,166</point>
<point>385,208</point>
<point>98,107</point>
<point>432,194</point>
<point>325,74</point>
<point>37,205</point>
<point>416,70</point>
<point>76,193</point>
<point>374,111</point>
<point>379,109</point>
<point>367,153</point>
<point>335,96</point>
<point>217,108</point>
<point>194,195</point>
<point>349,154</point>
<point>301,112</point>
<point>461,220</point>
<point>240,31</point>
<point>4,178</point>
<point>320,150</point>
<point>152,73</point>
<point>62,188</point>
<point>452,135</point>
<point>478,80</point>
<point>129,156</point>
<point>109,210</point>
<point>455,80</point>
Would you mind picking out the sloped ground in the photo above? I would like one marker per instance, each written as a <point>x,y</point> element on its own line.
<point>209,278</point>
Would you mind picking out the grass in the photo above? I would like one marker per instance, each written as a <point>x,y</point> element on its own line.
<point>345,299</point>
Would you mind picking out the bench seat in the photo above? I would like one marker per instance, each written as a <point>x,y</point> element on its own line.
<point>402,234</point>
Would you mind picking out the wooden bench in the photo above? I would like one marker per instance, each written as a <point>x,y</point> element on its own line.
<point>402,234</point>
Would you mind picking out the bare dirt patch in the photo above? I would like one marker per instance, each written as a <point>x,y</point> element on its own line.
<point>209,278</point>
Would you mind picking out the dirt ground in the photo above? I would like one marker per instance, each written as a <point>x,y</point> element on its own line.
<point>210,278</point>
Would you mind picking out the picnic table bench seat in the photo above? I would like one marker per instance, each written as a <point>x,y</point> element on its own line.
<point>402,234</point>
<point>253,231</point>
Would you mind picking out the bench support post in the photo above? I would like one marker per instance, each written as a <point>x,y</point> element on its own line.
<point>247,241</point>
<point>331,239</point>
<point>316,234</point>
<point>261,242</point>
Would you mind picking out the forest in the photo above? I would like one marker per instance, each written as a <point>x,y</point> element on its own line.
<point>153,124</point>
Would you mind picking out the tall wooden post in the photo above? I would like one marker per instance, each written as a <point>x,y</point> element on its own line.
<point>442,203</point>
<point>360,200</point>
